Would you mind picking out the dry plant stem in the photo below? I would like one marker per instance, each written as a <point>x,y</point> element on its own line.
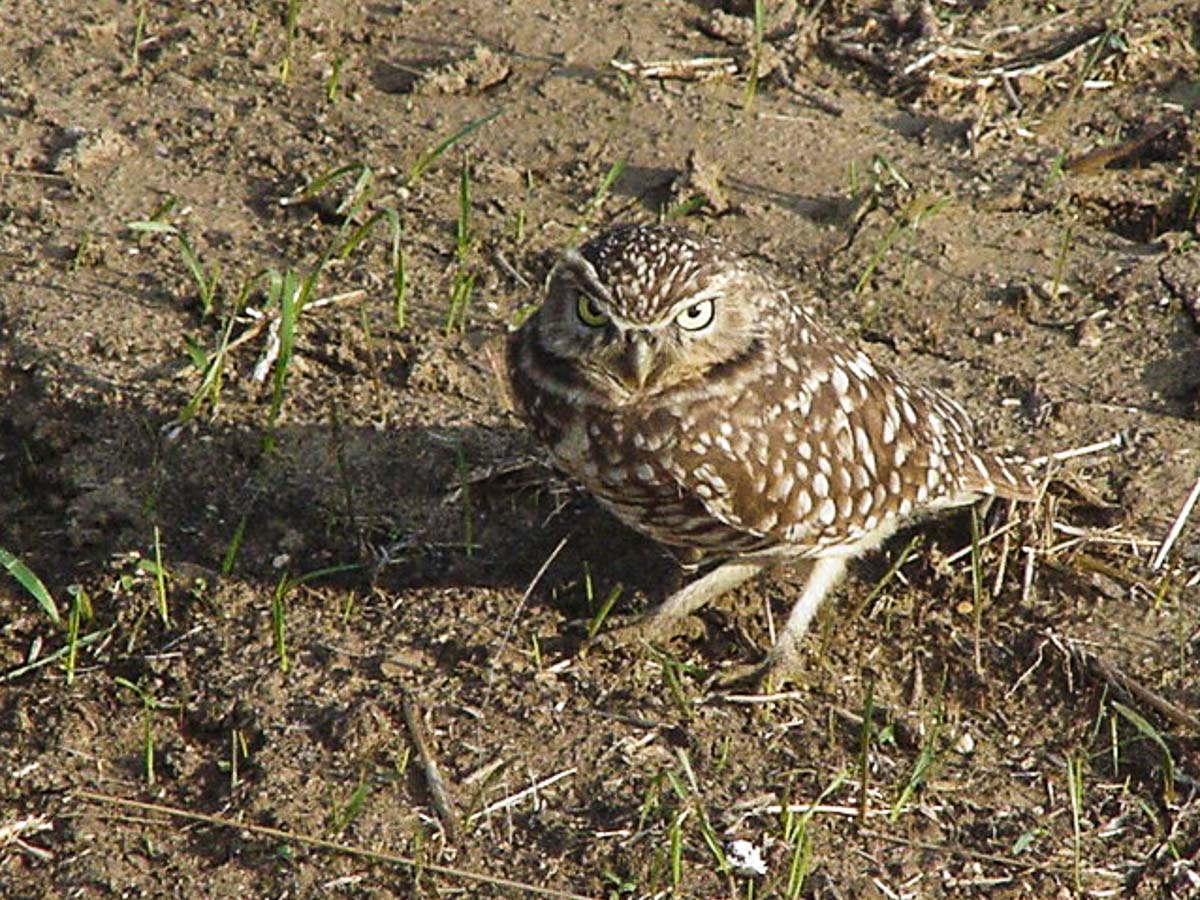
<point>1021,67</point>
<point>1116,678</point>
<point>13,833</point>
<point>1113,443</point>
<point>701,68</point>
<point>433,775</point>
<point>271,353</point>
<point>852,812</point>
<point>279,833</point>
<point>1177,528</point>
<point>817,99</point>
<point>512,622</point>
<point>965,853</point>
<point>514,799</point>
<point>1097,159</point>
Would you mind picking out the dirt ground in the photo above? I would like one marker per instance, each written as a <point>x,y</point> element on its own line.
<point>286,600</point>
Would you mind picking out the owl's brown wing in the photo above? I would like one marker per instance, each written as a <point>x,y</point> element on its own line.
<point>836,452</point>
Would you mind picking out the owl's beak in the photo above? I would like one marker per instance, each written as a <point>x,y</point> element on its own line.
<point>637,360</point>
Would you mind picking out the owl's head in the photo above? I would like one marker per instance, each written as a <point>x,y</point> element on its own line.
<point>641,309</point>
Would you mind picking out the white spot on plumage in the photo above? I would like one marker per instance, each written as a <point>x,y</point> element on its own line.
<point>820,485</point>
<point>803,504</point>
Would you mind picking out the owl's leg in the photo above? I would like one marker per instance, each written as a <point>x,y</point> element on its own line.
<point>664,620</point>
<point>827,571</point>
<point>783,659</point>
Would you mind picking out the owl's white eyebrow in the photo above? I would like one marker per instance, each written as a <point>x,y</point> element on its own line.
<point>711,292</point>
<point>584,272</point>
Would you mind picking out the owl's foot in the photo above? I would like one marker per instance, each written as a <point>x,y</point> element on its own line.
<point>780,666</point>
<point>643,630</point>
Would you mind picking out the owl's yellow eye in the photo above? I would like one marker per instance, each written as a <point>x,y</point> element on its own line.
<point>697,316</point>
<point>589,311</point>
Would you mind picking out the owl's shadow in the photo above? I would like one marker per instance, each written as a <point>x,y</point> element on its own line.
<point>540,534</point>
<point>537,532</point>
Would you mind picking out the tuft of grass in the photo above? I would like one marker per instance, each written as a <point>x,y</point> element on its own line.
<point>229,560</point>
<point>864,750</point>
<point>342,815</point>
<point>673,672</point>
<point>681,210</point>
<point>794,828</point>
<point>291,27</point>
<point>976,591</point>
<point>1060,262</point>
<point>1134,718</point>
<point>675,850</point>
<point>160,580</point>
<point>279,624</point>
<point>289,295</point>
<point>928,758</point>
<point>910,219</point>
<point>460,296</point>
<point>429,157</point>
<point>1193,205</point>
<point>391,218</point>
<point>891,573</point>
<point>81,609</point>
<point>139,33</point>
<point>278,607</point>
<point>238,749</point>
<point>32,584</point>
<point>1110,39</point>
<point>1075,792</point>
<point>689,794</point>
<point>601,614</point>
<point>149,706</point>
<point>206,280</point>
<point>464,279</point>
<point>211,363</point>
<point>589,209</point>
<point>333,82</point>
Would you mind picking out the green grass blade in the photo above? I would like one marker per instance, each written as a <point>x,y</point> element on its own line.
<point>28,580</point>
<point>429,157</point>
<point>1151,733</point>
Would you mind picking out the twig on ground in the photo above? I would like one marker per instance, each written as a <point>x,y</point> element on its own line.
<point>510,270</point>
<point>1126,684</point>
<point>964,852</point>
<point>514,799</point>
<point>349,849</point>
<point>701,68</point>
<point>16,831</point>
<point>1113,443</point>
<point>828,809</point>
<point>986,539</point>
<point>512,622</point>
<point>272,322</point>
<point>810,96</point>
<point>433,774</point>
<point>1176,528</point>
<point>754,699</point>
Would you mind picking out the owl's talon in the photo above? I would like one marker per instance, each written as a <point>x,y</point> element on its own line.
<point>640,630</point>
<point>775,670</point>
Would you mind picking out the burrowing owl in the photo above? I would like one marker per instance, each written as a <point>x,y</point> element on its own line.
<point>704,406</point>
